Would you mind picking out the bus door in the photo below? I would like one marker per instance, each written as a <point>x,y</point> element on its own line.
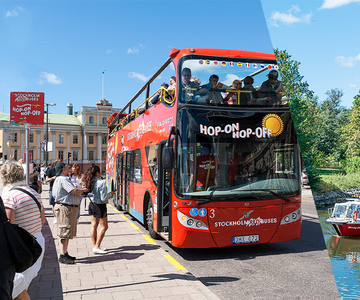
<point>163,194</point>
<point>123,184</point>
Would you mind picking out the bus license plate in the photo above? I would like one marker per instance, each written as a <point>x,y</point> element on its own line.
<point>245,239</point>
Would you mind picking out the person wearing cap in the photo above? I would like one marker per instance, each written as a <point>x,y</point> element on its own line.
<point>272,88</point>
<point>67,200</point>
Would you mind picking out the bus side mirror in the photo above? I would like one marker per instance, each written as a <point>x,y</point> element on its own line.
<point>167,158</point>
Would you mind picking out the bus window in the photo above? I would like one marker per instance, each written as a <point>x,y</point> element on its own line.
<point>229,160</point>
<point>134,167</point>
<point>218,82</point>
<point>152,160</point>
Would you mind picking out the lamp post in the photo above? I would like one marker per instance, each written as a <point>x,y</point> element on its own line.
<point>47,132</point>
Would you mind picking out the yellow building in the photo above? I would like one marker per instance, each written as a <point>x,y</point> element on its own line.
<point>82,134</point>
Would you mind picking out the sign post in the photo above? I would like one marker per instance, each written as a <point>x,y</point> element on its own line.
<point>27,109</point>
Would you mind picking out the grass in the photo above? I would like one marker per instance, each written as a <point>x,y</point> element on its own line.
<point>332,179</point>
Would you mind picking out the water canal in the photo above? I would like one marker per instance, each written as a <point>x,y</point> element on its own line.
<point>344,254</point>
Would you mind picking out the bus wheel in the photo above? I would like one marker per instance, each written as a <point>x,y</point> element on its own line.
<point>150,221</point>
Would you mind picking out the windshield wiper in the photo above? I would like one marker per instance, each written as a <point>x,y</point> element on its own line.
<point>223,198</point>
<point>275,194</point>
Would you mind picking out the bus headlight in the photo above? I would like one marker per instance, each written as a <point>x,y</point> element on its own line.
<point>188,222</point>
<point>291,217</point>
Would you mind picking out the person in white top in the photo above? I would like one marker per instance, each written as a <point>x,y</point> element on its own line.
<point>21,209</point>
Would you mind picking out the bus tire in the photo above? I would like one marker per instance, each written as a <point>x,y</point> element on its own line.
<point>150,221</point>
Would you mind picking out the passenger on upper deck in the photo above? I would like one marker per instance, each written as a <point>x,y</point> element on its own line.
<point>210,91</point>
<point>272,88</point>
<point>248,98</point>
<point>188,88</point>
<point>232,97</point>
<point>196,80</point>
<point>172,82</point>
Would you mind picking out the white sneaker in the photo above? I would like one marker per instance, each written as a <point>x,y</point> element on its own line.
<point>99,251</point>
<point>55,220</point>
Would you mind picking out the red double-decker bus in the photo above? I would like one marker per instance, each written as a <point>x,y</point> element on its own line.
<point>211,162</point>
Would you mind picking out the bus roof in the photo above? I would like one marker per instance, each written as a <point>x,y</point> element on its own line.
<point>219,52</point>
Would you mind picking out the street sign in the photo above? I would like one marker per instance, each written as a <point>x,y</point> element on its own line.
<point>26,108</point>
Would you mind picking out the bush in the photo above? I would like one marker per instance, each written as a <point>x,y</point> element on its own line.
<point>351,165</point>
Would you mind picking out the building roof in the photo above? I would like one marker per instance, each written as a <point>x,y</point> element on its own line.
<point>62,119</point>
<point>4,117</point>
<point>53,119</point>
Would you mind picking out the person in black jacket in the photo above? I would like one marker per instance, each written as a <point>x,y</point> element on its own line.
<point>7,268</point>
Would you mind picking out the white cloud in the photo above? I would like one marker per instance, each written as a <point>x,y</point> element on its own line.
<point>352,85</point>
<point>138,76</point>
<point>132,50</point>
<point>13,13</point>
<point>292,16</point>
<point>328,4</point>
<point>49,78</point>
<point>348,61</point>
<point>135,50</point>
<point>109,51</point>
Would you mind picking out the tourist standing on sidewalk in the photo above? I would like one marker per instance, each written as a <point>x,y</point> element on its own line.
<point>78,179</point>
<point>67,199</point>
<point>21,209</point>
<point>50,177</point>
<point>97,207</point>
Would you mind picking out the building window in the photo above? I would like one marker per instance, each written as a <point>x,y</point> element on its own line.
<point>91,120</point>
<point>61,138</point>
<point>91,155</point>
<point>75,139</point>
<point>15,138</point>
<point>31,155</point>
<point>104,139</point>
<point>104,121</point>
<point>15,154</point>
<point>91,139</point>
<point>75,155</point>
<point>31,138</point>
<point>103,155</point>
<point>61,154</point>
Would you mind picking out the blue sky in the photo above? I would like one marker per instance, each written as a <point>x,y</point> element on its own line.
<point>61,47</point>
<point>324,35</point>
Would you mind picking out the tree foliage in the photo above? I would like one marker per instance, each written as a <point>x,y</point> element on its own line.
<point>304,109</point>
<point>350,134</point>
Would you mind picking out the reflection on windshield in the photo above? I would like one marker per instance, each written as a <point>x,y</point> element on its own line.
<point>223,83</point>
<point>220,165</point>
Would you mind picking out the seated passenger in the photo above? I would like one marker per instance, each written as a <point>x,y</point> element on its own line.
<point>172,82</point>
<point>249,98</point>
<point>188,88</point>
<point>196,80</point>
<point>232,97</point>
<point>272,89</point>
<point>210,91</point>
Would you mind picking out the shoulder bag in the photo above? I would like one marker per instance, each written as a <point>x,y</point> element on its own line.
<point>23,246</point>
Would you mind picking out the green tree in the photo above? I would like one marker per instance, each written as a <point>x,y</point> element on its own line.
<point>350,135</point>
<point>333,117</point>
<point>304,110</point>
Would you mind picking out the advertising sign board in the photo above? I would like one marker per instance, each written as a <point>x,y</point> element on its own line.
<point>26,107</point>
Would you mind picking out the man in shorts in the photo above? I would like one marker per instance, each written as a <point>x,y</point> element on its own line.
<point>67,200</point>
<point>50,177</point>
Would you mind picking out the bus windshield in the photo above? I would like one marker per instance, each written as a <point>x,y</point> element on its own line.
<point>223,82</point>
<point>219,159</point>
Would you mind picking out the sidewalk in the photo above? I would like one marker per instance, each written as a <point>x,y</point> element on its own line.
<point>134,268</point>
